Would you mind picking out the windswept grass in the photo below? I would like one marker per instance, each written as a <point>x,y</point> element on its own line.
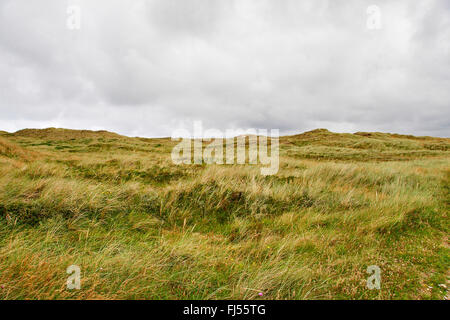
<point>11,150</point>
<point>141,227</point>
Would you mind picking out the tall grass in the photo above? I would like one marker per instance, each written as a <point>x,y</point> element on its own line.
<point>141,227</point>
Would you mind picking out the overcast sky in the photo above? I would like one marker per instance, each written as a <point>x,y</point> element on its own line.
<point>145,68</point>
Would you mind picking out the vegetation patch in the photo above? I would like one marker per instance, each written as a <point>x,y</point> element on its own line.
<point>141,227</point>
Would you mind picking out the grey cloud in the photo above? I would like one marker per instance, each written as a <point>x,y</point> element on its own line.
<point>146,67</point>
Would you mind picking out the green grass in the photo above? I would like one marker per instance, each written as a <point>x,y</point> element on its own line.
<point>141,227</point>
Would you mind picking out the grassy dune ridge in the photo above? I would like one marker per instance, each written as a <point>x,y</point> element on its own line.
<point>141,227</point>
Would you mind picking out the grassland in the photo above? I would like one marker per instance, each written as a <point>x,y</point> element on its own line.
<point>141,227</point>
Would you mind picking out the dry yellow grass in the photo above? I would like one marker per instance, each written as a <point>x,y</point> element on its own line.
<point>141,227</point>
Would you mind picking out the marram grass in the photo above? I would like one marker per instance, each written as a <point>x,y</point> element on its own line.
<point>141,227</point>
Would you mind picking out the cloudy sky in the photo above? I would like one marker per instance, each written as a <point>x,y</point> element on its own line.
<point>145,68</point>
